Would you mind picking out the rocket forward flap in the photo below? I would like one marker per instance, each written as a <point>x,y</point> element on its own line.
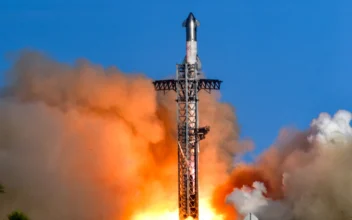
<point>184,24</point>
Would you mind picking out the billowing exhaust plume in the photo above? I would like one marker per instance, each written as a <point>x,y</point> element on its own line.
<point>304,176</point>
<point>85,142</point>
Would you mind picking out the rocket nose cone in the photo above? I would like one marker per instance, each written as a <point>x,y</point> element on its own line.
<point>191,19</point>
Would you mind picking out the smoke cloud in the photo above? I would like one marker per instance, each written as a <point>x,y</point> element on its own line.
<point>304,176</point>
<point>87,142</point>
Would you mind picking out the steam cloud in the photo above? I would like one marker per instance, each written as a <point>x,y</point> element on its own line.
<point>84,142</point>
<point>316,175</point>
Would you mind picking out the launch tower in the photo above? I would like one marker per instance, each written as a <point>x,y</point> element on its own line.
<point>187,85</point>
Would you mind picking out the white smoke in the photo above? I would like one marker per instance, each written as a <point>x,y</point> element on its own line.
<point>326,135</point>
<point>248,200</point>
<point>329,131</point>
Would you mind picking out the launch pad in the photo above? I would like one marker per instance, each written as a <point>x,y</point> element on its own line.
<point>187,85</point>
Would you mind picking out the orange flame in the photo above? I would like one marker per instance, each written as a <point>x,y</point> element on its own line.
<point>206,213</point>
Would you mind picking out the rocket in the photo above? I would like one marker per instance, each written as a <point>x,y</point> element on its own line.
<point>191,24</point>
<point>187,85</point>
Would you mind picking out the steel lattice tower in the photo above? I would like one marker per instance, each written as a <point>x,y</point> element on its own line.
<point>187,85</point>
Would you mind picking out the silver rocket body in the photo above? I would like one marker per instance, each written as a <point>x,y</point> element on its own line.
<point>191,24</point>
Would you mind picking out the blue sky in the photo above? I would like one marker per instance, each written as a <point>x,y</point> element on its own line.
<point>282,62</point>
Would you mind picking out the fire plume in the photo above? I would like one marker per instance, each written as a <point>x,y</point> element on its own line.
<point>206,213</point>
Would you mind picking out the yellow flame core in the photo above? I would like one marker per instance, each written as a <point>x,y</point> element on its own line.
<point>206,213</point>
